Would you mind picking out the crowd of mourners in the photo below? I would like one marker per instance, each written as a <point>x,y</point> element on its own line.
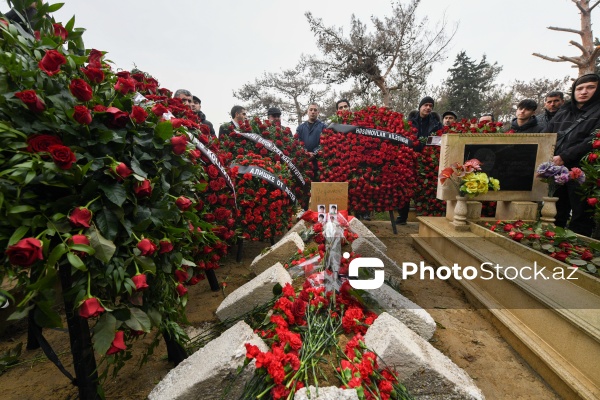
<point>575,121</point>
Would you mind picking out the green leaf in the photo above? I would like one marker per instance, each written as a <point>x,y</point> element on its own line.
<point>139,320</point>
<point>82,247</point>
<point>579,263</point>
<point>18,235</point>
<point>20,313</point>
<point>147,264</point>
<point>69,26</point>
<point>20,209</point>
<point>136,167</point>
<point>45,316</point>
<point>155,316</point>
<point>30,175</point>
<point>55,7</point>
<point>76,262</point>
<point>592,268</point>
<point>164,130</point>
<point>115,193</point>
<point>108,223</point>
<point>277,289</point>
<point>104,332</point>
<point>56,254</point>
<point>104,249</point>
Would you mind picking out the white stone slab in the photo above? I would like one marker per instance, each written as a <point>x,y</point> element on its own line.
<point>424,370</point>
<point>279,252</point>
<point>365,248</point>
<point>298,228</point>
<point>254,293</point>
<point>409,313</point>
<point>326,393</point>
<point>207,373</point>
<point>362,231</point>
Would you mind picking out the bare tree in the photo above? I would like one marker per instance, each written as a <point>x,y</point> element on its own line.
<point>537,89</point>
<point>291,90</point>
<point>397,54</point>
<point>586,62</point>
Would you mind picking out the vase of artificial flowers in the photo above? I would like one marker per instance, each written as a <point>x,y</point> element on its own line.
<point>469,182</point>
<point>555,176</point>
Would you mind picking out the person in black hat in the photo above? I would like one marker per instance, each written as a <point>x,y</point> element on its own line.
<point>274,115</point>
<point>576,122</point>
<point>426,124</point>
<point>449,117</point>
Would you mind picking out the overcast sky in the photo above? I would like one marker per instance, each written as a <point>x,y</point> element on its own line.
<point>214,47</point>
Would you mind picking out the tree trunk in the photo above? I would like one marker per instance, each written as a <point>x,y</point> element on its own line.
<point>587,40</point>
<point>299,112</point>
<point>385,92</point>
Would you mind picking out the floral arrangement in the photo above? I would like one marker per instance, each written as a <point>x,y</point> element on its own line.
<point>591,167</point>
<point>468,179</point>
<point>380,173</point>
<point>473,126</point>
<point>236,144</point>
<point>265,210</point>
<point>558,175</point>
<point>559,243</point>
<point>100,186</point>
<point>308,326</point>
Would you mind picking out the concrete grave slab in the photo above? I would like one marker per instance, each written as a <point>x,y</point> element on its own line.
<point>279,252</point>
<point>366,248</point>
<point>207,373</point>
<point>362,231</point>
<point>424,370</point>
<point>254,293</point>
<point>409,313</point>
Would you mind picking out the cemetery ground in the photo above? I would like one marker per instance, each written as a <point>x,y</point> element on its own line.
<point>462,334</point>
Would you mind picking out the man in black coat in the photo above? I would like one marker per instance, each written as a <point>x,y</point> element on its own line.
<point>552,103</point>
<point>526,122</point>
<point>575,124</point>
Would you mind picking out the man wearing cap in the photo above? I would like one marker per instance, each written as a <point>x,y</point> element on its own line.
<point>274,115</point>
<point>424,121</point>
<point>576,123</point>
<point>197,108</point>
<point>448,118</point>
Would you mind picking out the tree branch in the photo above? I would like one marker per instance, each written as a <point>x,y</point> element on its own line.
<point>596,51</point>
<point>555,28</point>
<point>578,4</point>
<point>548,58</point>
<point>595,4</point>
<point>579,46</point>
<point>575,61</point>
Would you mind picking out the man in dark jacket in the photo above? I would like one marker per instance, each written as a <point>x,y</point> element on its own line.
<point>526,122</point>
<point>197,108</point>
<point>309,133</point>
<point>552,103</point>
<point>575,124</point>
<point>426,124</point>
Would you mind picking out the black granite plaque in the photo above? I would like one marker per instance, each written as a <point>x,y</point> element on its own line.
<point>512,164</point>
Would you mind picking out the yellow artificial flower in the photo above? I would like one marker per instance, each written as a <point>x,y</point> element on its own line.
<point>495,183</point>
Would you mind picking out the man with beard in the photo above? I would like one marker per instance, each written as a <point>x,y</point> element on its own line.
<point>552,103</point>
<point>448,118</point>
<point>575,124</point>
<point>197,108</point>
<point>526,122</point>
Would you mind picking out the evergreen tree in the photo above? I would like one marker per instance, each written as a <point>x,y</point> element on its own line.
<point>470,85</point>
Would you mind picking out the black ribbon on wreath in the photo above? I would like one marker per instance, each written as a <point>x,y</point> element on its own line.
<point>266,176</point>
<point>375,133</point>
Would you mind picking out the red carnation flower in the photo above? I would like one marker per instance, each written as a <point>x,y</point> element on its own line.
<point>90,308</point>
<point>138,114</point>
<point>94,75</point>
<point>60,31</point>
<point>81,89</point>
<point>179,144</point>
<point>51,62</point>
<point>25,252</point>
<point>146,247</point>
<point>80,217</point>
<point>143,189</point>
<point>31,100</point>
<point>94,59</point>
<point>62,156</point>
<point>125,85</point>
<point>118,344</point>
<point>82,114</point>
